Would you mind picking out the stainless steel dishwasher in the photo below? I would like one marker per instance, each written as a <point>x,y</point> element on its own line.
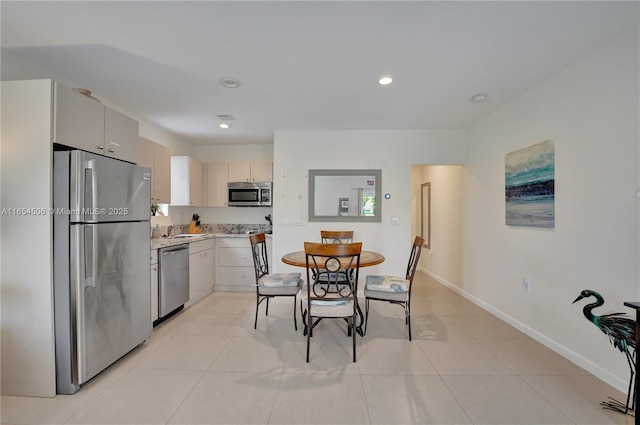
<point>173,278</point>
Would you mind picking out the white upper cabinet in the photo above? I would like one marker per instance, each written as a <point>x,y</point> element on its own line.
<point>162,178</point>
<point>240,172</point>
<point>79,120</point>
<point>84,123</point>
<point>254,172</point>
<point>186,181</point>
<point>120,136</point>
<point>217,179</point>
<point>261,172</point>
<point>158,158</point>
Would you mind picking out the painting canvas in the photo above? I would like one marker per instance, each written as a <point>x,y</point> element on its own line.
<point>529,186</point>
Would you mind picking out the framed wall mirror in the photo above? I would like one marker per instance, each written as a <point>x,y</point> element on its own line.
<point>345,195</point>
<point>425,206</point>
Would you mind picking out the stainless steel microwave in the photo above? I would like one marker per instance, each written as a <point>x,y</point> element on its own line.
<point>249,194</point>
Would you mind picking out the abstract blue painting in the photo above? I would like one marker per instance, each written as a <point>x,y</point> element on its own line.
<point>530,186</point>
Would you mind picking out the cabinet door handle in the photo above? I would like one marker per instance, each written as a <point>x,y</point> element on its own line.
<point>111,151</point>
<point>100,147</point>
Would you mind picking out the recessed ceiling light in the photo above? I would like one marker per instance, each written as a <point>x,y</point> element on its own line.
<point>479,98</point>
<point>224,125</point>
<point>229,82</point>
<point>385,80</point>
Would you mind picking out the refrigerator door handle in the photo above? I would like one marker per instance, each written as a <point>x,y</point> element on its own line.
<point>78,271</point>
<point>90,190</point>
<point>90,261</point>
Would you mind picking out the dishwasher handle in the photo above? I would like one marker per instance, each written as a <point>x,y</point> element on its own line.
<point>174,249</point>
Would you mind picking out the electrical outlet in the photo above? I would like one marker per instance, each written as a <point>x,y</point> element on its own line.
<point>526,285</point>
<point>395,220</point>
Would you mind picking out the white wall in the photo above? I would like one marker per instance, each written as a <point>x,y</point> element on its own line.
<point>444,259</point>
<point>295,152</point>
<point>233,153</point>
<point>591,111</point>
<point>26,289</point>
<point>178,146</point>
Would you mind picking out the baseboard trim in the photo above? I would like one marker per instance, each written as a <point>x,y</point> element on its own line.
<point>570,355</point>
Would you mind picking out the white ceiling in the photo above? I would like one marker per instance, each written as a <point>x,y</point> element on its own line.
<point>304,65</point>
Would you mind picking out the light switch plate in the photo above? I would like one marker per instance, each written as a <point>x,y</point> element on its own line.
<point>395,220</point>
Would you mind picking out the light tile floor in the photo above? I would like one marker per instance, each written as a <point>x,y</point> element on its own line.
<point>207,365</point>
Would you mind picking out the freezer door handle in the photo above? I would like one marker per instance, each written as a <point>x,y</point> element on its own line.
<point>90,191</point>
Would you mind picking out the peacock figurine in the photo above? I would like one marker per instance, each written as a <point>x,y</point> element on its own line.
<point>621,331</point>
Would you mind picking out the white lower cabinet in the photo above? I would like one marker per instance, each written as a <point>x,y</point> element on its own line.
<point>201,268</point>
<point>234,264</point>
<point>154,285</point>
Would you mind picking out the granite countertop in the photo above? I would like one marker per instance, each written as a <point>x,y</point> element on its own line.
<point>170,241</point>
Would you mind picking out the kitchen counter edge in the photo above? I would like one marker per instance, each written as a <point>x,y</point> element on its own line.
<point>164,242</point>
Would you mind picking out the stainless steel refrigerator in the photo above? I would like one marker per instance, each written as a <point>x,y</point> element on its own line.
<point>102,273</point>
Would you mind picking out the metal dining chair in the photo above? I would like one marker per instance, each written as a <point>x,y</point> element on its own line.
<point>332,298</point>
<point>271,285</point>
<point>336,236</point>
<point>394,289</point>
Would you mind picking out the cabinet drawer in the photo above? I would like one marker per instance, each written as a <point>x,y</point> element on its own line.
<point>242,276</point>
<point>234,242</point>
<point>235,257</point>
<point>200,246</point>
<point>239,242</point>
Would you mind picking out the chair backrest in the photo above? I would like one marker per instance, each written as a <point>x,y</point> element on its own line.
<point>336,236</point>
<point>416,249</point>
<point>259,254</point>
<point>324,264</point>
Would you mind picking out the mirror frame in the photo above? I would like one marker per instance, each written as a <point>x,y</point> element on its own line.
<point>376,218</point>
<point>425,198</point>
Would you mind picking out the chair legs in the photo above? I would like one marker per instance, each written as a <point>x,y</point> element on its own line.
<point>366,315</point>
<point>407,313</point>
<point>352,322</point>
<point>258,301</point>
<point>267,297</point>
<point>308,326</point>
<point>255,323</point>
<point>295,322</point>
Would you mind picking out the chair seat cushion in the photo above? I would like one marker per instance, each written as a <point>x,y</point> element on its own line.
<point>328,307</point>
<point>276,280</point>
<point>386,283</point>
<point>279,290</point>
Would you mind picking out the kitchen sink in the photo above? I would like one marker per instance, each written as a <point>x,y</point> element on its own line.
<point>186,236</point>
